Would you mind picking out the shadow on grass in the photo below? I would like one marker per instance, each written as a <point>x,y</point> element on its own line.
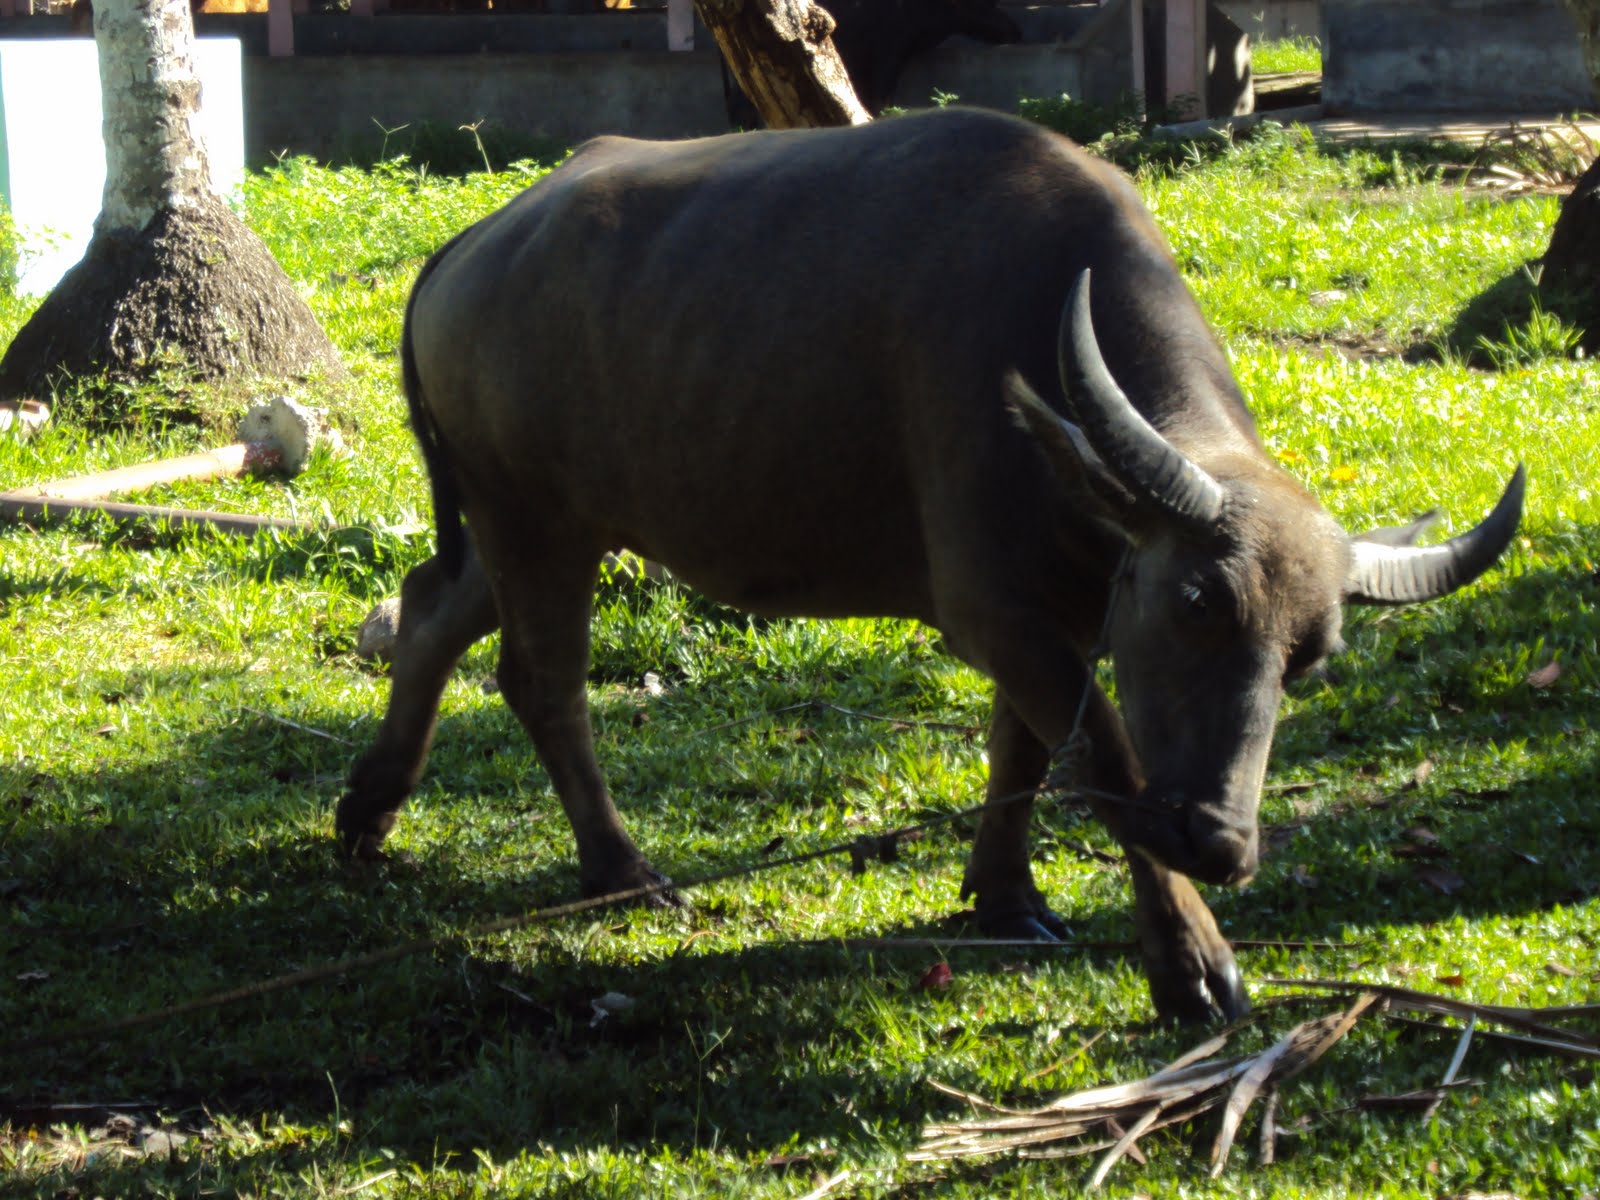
<point>1515,319</point>
<point>161,888</point>
<point>473,1045</point>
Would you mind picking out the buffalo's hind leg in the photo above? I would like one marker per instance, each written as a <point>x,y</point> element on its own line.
<point>999,871</point>
<point>544,665</point>
<point>440,617</point>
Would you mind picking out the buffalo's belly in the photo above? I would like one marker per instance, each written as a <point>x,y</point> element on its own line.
<point>863,567</point>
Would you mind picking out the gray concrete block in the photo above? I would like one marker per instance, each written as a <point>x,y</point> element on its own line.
<point>1452,55</point>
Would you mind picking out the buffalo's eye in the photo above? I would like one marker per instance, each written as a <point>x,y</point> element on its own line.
<point>1194,597</point>
<point>1304,658</point>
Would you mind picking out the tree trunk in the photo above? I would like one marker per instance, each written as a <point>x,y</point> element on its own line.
<point>171,277</point>
<point>1571,274</point>
<point>782,55</point>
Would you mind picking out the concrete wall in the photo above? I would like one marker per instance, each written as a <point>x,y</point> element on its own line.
<point>325,106</point>
<point>603,76</point>
<point>1452,55</point>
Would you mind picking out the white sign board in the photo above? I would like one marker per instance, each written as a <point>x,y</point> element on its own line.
<point>52,160</point>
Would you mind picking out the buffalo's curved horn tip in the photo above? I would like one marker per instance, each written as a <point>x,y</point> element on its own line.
<point>1136,453</point>
<point>1381,574</point>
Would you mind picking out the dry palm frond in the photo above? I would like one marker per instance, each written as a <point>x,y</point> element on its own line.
<point>1112,1118</point>
<point>1541,1026</point>
<point>1549,156</point>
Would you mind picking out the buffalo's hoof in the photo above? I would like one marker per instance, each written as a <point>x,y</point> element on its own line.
<point>1215,993</point>
<point>361,836</point>
<point>1022,924</point>
<point>642,885</point>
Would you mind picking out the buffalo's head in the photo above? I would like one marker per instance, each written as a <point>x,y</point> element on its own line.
<point>1232,583</point>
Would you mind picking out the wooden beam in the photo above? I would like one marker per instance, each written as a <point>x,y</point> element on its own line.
<point>208,464</point>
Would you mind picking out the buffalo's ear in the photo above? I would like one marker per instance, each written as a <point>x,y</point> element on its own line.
<point>1401,535</point>
<point>1072,460</point>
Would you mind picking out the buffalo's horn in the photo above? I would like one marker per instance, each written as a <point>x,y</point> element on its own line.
<point>1381,574</point>
<point>1146,463</point>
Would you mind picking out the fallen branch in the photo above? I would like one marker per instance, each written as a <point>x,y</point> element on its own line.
<point>274,438</point>
<point>19,506</point>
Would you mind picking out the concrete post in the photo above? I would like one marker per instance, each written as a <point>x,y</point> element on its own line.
<point>1136,53</point>
<point>680,24</point>
<point>1186,55</point>
<point>280,28</point>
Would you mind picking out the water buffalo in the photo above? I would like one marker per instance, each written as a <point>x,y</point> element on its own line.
<point>861,371</point>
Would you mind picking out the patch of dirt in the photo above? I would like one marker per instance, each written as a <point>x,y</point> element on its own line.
<point>1362,346</point>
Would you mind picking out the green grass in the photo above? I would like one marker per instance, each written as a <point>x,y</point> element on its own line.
<point>176,714</point>
<point>1285,54</point>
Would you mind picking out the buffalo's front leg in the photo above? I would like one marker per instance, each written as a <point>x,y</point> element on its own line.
<point>440,618</point>
<point>544,661</point>
<point>1190,966</point>
<point>1192,973</point>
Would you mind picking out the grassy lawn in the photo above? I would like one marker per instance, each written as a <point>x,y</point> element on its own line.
<point>177,712</point>
<point>1286,54</point>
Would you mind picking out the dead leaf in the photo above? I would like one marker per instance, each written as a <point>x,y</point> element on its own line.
<point>1412,850</point>
<point>33,976</point>
<point>1441,879</point>
<point>937,976</point>
<point>1423,770</point>
<point>1456,980</point>
<point>1304,877</point>
<point>1545,675</point>
<point>1420,842</point>
<point>1555,968</point>
<point>608,1005</point>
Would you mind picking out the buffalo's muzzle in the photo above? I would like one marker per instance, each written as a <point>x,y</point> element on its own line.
<point>1201,842</point>
<point>1221,851</point>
